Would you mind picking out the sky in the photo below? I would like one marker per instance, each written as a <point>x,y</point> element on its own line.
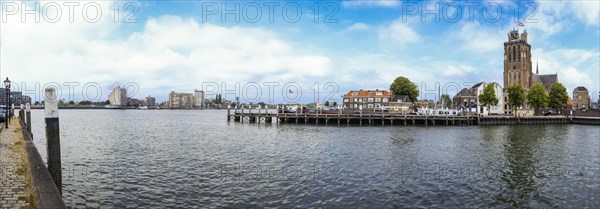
<point>286,51</point>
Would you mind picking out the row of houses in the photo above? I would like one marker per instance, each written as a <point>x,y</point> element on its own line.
<point>466,99</point>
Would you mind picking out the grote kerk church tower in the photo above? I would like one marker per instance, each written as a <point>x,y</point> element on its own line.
<point>517,60</point>
<point>517,63</point>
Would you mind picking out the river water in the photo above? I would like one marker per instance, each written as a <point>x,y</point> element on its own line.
<point>196,159</point>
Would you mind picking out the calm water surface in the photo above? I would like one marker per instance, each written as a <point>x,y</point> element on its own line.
<point>196,159</point>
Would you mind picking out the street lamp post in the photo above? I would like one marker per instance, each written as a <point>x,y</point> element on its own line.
<point>7,90</point>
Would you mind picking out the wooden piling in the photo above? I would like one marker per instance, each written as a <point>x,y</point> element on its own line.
<point>53,137</point>
<point>228,113</point>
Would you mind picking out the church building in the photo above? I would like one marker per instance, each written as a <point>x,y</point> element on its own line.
<point>518,65</point>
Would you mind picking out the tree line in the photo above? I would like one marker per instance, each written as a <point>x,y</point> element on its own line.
<point>536,97</point>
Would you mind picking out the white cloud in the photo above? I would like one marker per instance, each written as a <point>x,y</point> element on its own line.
<point>475,38</point>
<point>575,67</point>
<point>458,71</point>
<point>399,32</point>
<point>357,27</point>
<point>371,3</point>
<point>169,53</point>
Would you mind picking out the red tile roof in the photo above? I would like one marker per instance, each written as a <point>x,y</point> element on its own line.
<point>365,93</point>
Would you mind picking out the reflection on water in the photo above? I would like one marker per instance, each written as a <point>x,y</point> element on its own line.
<point>195,159</point>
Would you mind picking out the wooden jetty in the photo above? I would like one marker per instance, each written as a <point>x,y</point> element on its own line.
<point>260,114</point>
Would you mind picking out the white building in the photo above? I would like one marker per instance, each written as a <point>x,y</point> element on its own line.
<point>118,97</point>
<point>495,109</point>
<point>198,99</point>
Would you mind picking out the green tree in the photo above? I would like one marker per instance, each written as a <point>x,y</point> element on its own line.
<point>516,96</point>
<point>536,97</point>
<point>36,103</point>
<point>326,104</point>
<point>71,102</point>
<point>334,103</point>
<point>558,96</point>
<point>107,102</point>
<point>403,86</point>
<point>447,102</point>
<point>488,97</point>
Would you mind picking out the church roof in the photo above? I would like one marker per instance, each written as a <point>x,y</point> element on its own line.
<point>547,79</point>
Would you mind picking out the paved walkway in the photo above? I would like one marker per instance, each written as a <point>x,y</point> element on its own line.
<point>12,186</point>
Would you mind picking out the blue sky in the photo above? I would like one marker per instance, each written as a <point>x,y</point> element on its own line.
<point>186,45</point>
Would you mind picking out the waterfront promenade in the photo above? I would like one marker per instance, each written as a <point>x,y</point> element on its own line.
<point>12,181</point>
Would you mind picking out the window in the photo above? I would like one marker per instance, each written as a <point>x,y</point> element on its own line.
<point>345,100</point>
<point>355,99</point>
<point>520,53</point>
<point>379,93</point>
<point>377,99</point>
<point>354,93</point>
<point>355,105</point>
<point>377,105</point>
<point>514,55</point>
<point>369,93</point>
<point>360,100</point>
<point>370,106</point>
<point>370,99</point>
<point>385,99</point>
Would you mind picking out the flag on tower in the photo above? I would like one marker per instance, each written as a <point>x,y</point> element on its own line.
<point>521,24</point>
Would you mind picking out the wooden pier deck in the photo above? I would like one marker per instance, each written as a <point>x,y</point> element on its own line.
<point>341,118</point>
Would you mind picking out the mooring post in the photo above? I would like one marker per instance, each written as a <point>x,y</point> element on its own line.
<point>53,137</point>
<point>28,118</point>
<point>228,113</point>
<point>21,113</point>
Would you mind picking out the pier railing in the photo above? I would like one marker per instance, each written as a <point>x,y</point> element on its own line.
<point>260,114</point>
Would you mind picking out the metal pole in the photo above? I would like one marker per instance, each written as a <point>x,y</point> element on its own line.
<point>53,137</point>
<point>6,118</point>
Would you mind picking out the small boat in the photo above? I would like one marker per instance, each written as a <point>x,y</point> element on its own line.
<point>143,108</point>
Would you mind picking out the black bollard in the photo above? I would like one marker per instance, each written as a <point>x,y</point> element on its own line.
<point>28,118</point>
<point>53,137</point>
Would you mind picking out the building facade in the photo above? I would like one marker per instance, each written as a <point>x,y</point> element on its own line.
<point>180,100</point>
<point>400,103</point>
<point>468,99</point>
<point>16,97</point>
<point>581,98</point>
<point>150,102</point>
<point>465,98</point>
<point>118,97</point>
<point>368,100</point>
<point>198,99</point>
